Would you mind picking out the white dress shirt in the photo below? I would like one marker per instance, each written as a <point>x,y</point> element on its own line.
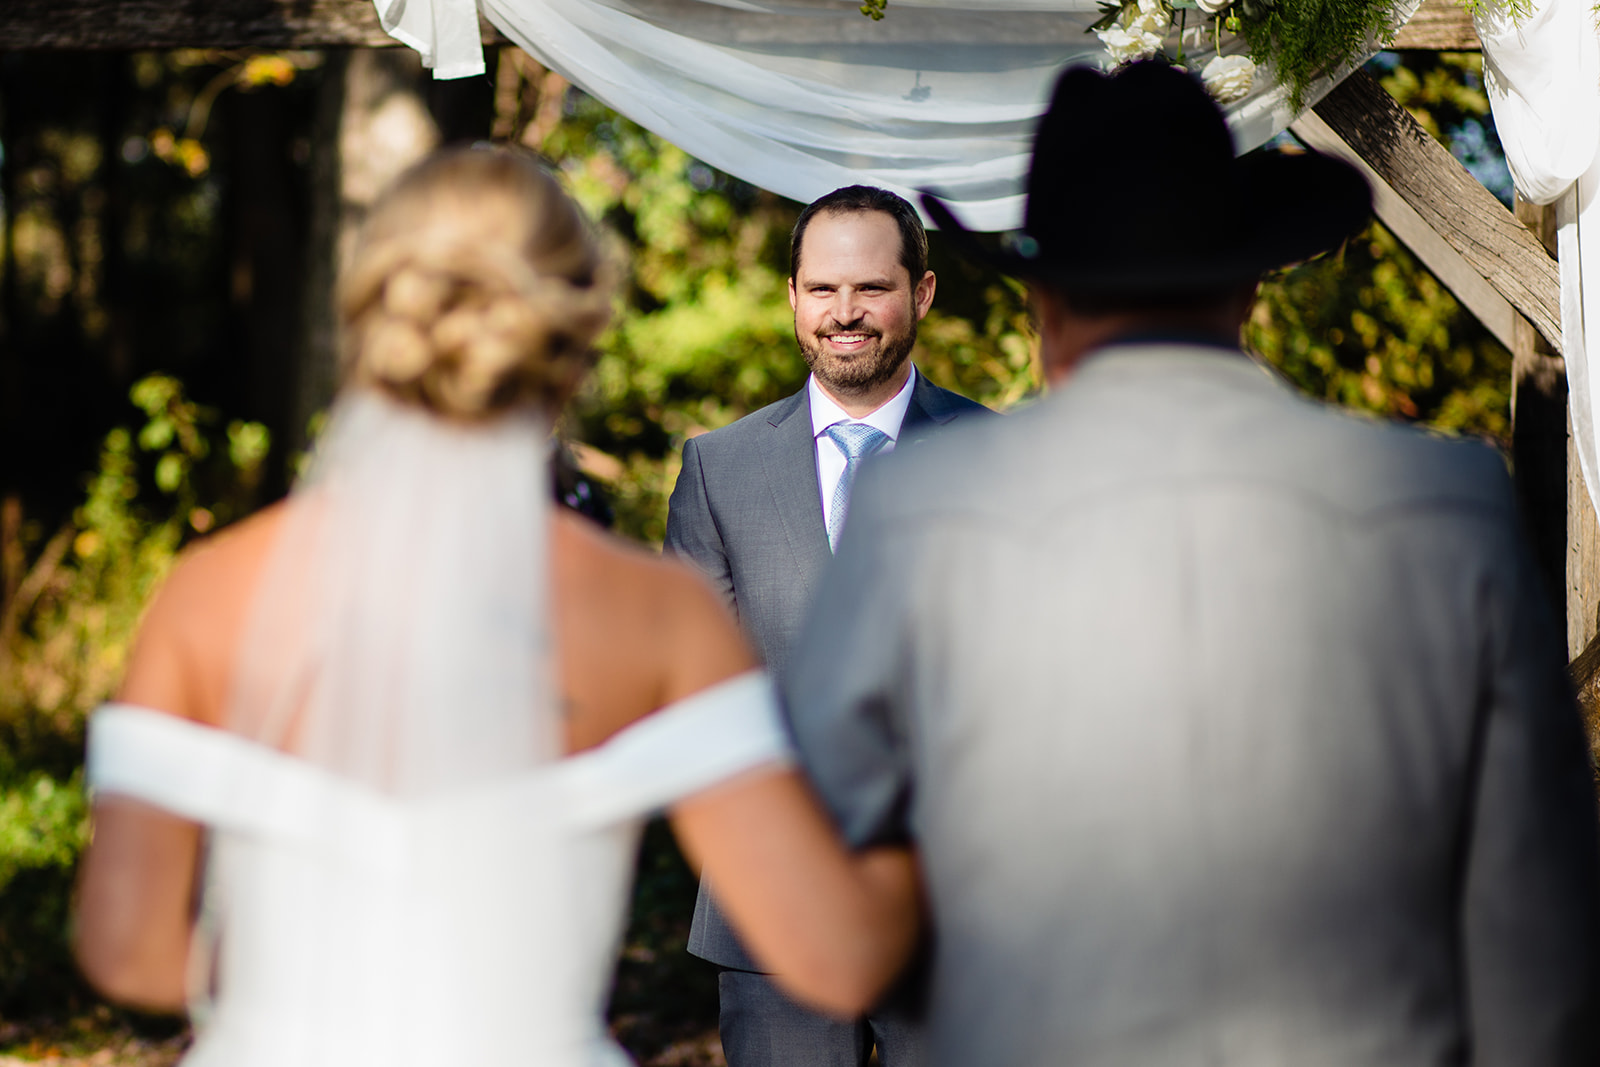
<point>825,413</point>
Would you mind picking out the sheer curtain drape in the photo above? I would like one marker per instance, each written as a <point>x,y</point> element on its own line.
<point>1543,77</point>
<point>804,96</point>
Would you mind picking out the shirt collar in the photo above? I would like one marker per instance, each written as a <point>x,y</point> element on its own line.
<point>888,418</point>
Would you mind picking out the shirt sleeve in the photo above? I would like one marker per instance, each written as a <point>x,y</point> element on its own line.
<point>847,692</point>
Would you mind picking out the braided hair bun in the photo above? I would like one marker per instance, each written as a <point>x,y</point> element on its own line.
<point>476,287</point>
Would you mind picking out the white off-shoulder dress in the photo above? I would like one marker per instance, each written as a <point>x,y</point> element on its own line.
<point>480,926</point>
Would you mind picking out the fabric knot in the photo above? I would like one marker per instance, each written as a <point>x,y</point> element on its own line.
<point>857,441</point>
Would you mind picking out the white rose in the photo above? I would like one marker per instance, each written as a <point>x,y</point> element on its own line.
<point>1130,44</point>
<point>1152,18</point>
<point>1213,7</point>
<point>1229,78</point>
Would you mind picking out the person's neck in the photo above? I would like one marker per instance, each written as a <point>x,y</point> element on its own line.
<point>858,405</point>
<point>1074,337</point>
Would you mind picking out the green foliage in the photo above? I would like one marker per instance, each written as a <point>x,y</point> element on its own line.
<point>64,644</point>
<point>1303,39</point>
<point>1442,90</point>
<point>1372,331</point>
<point>44,824</point>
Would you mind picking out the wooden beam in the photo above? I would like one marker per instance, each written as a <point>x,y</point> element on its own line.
<point>1437,254</point>
<point>135,25</point>
<point>1449,201</point>
<point>1583,574</point>
<point>1439,26</point>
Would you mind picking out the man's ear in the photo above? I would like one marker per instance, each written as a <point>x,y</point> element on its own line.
<point>924,294</point>
<point>794,301</point>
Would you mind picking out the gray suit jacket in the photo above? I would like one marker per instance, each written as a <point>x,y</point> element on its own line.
<point>747,512</point>
<point>1232,730</point>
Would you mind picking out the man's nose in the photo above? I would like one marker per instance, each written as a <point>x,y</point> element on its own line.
<point>847,310</point>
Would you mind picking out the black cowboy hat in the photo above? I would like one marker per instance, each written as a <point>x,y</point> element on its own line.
<point>1134,187</point>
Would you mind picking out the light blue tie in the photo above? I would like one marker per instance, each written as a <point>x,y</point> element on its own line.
<point>857,441</point>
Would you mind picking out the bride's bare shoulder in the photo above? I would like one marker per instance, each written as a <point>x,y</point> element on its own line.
<point>213,570</point>
<point>190,630</point>
<point>637,631</point>
<point>637,576</point>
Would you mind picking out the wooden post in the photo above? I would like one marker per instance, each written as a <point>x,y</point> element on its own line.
<point>267,256</point>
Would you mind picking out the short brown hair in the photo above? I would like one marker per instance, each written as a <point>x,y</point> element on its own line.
<point>859,198</point>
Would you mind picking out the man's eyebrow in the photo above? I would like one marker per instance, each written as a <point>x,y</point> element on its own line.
<point>886,282</point>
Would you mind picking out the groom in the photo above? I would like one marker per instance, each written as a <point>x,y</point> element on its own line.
<point>759,505</point>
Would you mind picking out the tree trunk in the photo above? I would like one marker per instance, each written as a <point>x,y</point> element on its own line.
<point>266,229</point>
<point>372,123</point>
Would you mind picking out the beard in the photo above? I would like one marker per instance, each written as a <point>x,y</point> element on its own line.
<point>878,361</point>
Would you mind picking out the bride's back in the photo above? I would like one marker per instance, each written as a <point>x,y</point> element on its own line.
<point>631,631</point>
<point>471,301</point>
<point>395,661</point>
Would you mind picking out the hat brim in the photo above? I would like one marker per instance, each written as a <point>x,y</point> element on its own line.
<point>1290,206</point>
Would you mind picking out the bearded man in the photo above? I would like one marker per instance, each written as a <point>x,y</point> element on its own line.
<point>759,505</point>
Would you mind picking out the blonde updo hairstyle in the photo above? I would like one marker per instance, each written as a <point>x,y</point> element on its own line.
<point>476,287</point>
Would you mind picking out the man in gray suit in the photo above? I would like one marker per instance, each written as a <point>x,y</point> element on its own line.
<point>1231,729</point>
<point>759,504</point>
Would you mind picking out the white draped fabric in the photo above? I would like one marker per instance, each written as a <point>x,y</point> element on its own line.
<point>804,96</point>
<point>1543,77</point>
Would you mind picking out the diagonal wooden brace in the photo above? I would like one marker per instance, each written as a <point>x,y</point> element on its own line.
<point>1369,125</point>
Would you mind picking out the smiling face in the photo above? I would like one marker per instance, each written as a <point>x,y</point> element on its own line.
<point>856,307</point>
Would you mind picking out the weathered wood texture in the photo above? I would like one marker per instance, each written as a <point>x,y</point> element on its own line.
<point>1583,561</point>
<point>1459,276</point>
<point>1450,201</point>
<point>148,24</point>
<point>1583,597</point>
<point>1439,26</point>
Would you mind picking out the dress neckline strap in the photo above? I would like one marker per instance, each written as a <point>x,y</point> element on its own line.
<point>210,775</point>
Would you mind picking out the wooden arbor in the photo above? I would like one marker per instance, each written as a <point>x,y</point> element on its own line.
<point>1498,264</point>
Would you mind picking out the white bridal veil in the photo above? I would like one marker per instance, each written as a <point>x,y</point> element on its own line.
<point>400,635</point>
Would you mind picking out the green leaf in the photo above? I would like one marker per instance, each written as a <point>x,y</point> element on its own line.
<point>154,393</point>
<point>157,434</point>
<point>1113,12</point>
<point>169,472</point>
<point>248,444</point>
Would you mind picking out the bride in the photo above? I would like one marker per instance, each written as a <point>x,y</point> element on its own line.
<point>372,788</point>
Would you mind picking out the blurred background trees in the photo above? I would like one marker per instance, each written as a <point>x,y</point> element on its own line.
<point>170,227</point>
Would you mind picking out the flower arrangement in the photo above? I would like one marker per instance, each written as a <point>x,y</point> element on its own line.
<point>1298,39</point>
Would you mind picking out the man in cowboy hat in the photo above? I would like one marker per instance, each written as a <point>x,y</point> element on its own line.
<point>1231,729</point>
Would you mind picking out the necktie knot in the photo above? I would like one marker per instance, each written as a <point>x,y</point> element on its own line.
<point>857,441</point>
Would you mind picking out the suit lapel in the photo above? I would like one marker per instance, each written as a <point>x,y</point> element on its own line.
<point>924,415</point>
<point>789,462</point>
